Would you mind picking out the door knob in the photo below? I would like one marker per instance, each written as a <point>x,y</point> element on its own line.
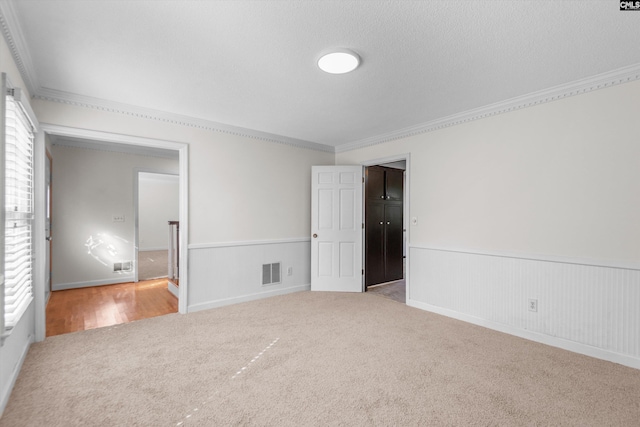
<point>315,236</point>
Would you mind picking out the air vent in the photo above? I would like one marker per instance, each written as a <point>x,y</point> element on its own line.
<point>119,267</point>
<point>270,273</point>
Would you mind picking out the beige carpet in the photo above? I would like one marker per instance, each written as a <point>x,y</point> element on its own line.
<point>152,264</point>
<point>314,359</point>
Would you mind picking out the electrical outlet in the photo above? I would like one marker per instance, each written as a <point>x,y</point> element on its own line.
<point>533,304</point>
<point>118,218</point>
<point>290,271</point>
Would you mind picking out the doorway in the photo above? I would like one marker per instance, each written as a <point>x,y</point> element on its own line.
<point>156,202</point>
<point>385,229</point>
<point>106,141</point>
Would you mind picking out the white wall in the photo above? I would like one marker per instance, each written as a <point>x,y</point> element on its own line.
<point>157,205</point>
<point>241,190</point>
<point>14,348</point>
<point>89,188</point>
<point>556,182</point>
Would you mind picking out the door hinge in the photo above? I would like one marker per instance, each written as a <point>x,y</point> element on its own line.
<point>363,271</point>
<point>363,225</point>
<point>363,179</point>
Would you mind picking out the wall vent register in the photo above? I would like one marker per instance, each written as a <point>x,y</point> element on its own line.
<point>271,273</point>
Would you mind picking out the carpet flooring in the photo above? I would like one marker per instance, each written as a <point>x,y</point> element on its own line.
<point>314,359</point>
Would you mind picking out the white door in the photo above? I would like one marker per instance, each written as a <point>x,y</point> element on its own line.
<point>336,228</point>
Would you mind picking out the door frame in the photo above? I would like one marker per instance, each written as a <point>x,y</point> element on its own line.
<point>49,199</point>
<point>406,203</point>
<point>102,137</point>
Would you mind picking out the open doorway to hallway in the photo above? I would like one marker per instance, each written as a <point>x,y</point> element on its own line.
<point>94,260</point>
<point>157,205</point>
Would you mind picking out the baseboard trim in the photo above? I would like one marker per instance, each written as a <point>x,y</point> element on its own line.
<point>247,298</point>
<point>6,393</point>
<point>76,285</point>
<point>572,346</point>
<point>154,248</point>
<point>173,288</point>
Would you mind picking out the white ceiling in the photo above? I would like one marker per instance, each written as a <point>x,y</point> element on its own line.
<point>252,64</point>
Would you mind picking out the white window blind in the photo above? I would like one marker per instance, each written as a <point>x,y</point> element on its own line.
<point>18,267</point>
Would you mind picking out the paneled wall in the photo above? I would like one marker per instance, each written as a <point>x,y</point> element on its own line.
<point>589,309</point>
<point>541,202</point>
<point>232,272</point>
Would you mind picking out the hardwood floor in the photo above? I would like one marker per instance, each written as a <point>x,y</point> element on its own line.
<point>95,307</point>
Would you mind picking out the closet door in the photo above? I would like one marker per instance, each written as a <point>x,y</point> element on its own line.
<point>393,242</point>
<point>393,185</point>
<point>375,185</point>
<point>375,242</point>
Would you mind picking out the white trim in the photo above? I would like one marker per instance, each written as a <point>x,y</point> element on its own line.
<point>183,150</point>
<point>6,393</point>
<point>626,265</point>
<point>247,298</point>
<point>406,205</point>
<point>53,95</point>
<point>154,248</point>
<point>575,347</point>
<point>101,282</point>
<point>173,288</point>
<point>16,42</point>
<point>248,243</point>
<point>577,87</point>
<point>12,32</point>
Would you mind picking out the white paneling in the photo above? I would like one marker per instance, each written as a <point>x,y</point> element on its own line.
<point>222,275</point>
<point>591,309</point>
<point>13,351</point>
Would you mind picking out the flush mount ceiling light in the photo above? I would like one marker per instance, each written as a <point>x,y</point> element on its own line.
<point>339,61</point>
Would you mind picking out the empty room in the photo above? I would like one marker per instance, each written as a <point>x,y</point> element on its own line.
<point>349,212</point>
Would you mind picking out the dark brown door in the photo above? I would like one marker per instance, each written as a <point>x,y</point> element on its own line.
<point>383,225</point>
<point>393,242</point>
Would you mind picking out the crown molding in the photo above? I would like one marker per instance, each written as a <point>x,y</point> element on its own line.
<point>10,26</point>
<point>11,30</point>
<point>172,118</point>
<point>17,44</point>
<point>600,81</point>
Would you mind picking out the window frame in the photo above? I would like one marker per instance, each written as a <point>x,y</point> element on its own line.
<point>22,104</point>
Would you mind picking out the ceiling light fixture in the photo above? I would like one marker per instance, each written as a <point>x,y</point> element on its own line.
<point>339,61</point>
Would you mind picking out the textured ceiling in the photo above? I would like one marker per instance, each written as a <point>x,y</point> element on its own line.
<point>252,64</point>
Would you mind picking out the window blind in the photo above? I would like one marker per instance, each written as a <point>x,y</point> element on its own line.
<point>18,266</point>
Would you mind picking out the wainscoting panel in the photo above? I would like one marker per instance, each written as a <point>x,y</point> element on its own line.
<point>594,310</point>
<point>227,273</point>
